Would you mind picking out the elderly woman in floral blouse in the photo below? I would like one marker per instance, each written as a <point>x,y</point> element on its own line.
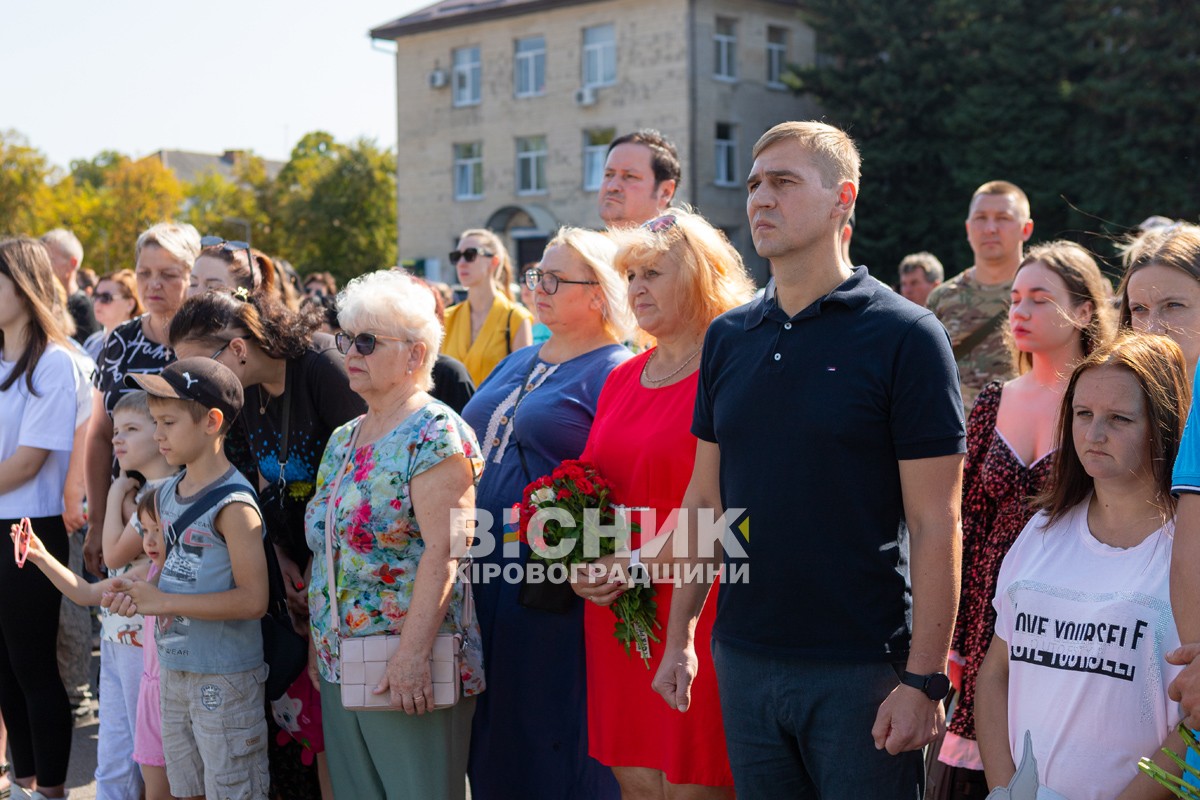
<point>409,463</point>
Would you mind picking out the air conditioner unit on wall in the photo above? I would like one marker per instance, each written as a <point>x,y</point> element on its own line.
<point>438,79</point>
<point>585,96</point>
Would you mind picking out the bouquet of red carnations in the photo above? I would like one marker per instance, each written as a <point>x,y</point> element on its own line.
<point>561,518</point>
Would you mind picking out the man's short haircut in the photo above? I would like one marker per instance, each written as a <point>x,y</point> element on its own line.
<point>135,401</point>
<point>664,159</point>
<point>835,153</point>
<point>67,242</point>
<point>925,262</point>
<point>1006,188</point>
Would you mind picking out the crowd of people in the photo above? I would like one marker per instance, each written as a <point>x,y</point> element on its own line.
<point>971,500</point>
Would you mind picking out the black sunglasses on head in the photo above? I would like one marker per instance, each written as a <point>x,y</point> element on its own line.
<point>469,255</point>
<point>228,246</point>
<point>364,343</point>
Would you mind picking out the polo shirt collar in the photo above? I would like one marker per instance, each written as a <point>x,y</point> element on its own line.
<point>853,292</point>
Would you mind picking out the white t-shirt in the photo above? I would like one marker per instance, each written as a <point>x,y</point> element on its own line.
<point>1087,626</point>
<point>86,366</point>
<point>45,421</point>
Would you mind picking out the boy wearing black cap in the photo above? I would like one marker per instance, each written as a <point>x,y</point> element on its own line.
<point>211,593</point>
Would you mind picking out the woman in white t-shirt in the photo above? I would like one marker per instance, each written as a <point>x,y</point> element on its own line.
<point>38,389</point>
<point>1083,608</point>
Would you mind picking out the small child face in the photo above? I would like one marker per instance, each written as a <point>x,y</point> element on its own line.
<point>180,438</point>
<point>133,440</point>
<point>152,539</point>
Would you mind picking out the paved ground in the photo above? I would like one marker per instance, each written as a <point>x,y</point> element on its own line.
<point>83,755</point>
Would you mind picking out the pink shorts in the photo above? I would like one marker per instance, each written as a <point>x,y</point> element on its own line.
<point>147,731</point>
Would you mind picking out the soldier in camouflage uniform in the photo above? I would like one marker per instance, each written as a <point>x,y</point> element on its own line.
<point>974,304</point>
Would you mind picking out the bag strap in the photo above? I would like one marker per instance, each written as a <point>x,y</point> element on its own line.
<point>468,614</point>
<point>964,348</point>
<point>508,331</point>
<point>525,389</point>
<point>204,504</point>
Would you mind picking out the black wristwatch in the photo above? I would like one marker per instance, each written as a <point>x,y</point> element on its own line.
<point>935,686</point>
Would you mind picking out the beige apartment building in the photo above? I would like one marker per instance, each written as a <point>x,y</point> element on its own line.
<point>505,109</point>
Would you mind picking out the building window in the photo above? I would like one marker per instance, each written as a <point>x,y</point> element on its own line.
<point>468,171</point>
<point>595,153</point>
<point>726,152</point>
<point>467,76</point>
<point>599,55</point>
<point>531,165</point>
<point>529,76</point>
<point>776,56</point>
<point>725,42</point>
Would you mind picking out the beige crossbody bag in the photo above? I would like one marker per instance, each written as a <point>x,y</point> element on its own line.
<point>364,658</point>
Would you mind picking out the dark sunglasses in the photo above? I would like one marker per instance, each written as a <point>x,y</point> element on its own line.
<point>660,224</point>
<point>227,246</point>
<point>104,298</point>
<point>364,343</point>
<point>549,281</point>
<point>469,255</point>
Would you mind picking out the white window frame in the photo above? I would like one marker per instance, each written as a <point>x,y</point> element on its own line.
<point>468,171</point>
<point>776,58</point>
<point>594,156</point>
<point>725,50</point>
<point>599,62</point>
<point>725,150</point>
<point>466,76</point>
<point>525,67</point>
<point>532,158</point>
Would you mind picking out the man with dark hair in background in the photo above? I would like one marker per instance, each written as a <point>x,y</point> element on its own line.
<point>641,175</point>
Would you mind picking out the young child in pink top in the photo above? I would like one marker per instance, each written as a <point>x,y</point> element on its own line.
<point>147,749</point>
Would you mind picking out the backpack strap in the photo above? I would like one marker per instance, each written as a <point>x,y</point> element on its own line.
<point>964,348</point>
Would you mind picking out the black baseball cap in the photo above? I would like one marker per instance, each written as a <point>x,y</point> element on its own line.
<point>210,383</point>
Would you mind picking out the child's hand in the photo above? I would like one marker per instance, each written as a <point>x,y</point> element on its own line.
<point>145,597</point>
<point>36,551</point>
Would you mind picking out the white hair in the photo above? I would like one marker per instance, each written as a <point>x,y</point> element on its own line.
<point>180,240</point>
<point>67,242</point>
<point>392,303</point>
<point>598,253</point>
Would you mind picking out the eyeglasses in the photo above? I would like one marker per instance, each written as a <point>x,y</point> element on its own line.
<point>660,224</point>
<point>469,255</point>
<point>221,350</point>
<point>104,298</point>
<point>364,343</point>
<point>549,281</point>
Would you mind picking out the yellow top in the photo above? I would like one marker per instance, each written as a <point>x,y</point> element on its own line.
<point>491,346</point>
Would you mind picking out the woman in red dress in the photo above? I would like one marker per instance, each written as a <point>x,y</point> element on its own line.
<point>682,273</point>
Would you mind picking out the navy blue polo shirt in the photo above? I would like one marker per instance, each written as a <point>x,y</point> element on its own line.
<point>812,414</point>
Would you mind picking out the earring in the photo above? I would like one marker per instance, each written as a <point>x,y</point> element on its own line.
<point>243,362</point>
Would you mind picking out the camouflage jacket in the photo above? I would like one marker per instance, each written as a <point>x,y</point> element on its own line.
<point>963,305</point>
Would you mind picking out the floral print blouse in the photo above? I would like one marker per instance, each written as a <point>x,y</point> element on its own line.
<point>378,544</point>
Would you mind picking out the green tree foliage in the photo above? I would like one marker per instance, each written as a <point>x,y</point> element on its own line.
<point>1090,106</point>
<point>24,185</point>
<point>336,206</point>
<point>332,207</point>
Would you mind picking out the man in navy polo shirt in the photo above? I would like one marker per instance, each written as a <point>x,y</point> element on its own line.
<point>829,410</point>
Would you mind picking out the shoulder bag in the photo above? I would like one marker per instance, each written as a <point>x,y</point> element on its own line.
<point>364,658</point>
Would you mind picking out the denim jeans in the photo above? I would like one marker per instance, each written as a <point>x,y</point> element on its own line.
<point>799,728</point>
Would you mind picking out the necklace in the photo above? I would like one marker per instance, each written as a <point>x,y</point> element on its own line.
<point>264,397</point>
<point>646,367</point>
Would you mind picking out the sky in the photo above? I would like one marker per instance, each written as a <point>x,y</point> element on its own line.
<point>137,76</point>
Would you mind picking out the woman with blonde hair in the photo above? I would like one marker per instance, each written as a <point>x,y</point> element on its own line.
<point>1160,292</point>
<point>488,325</point>
<point>164,256</point>
<point>38,390</point>
<point>682,273</point>
<point>534,412</point>
<point>1059,315</point>
<point>115,302</point>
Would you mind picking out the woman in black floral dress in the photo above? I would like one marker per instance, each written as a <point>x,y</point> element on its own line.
<point>1059,314</point>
